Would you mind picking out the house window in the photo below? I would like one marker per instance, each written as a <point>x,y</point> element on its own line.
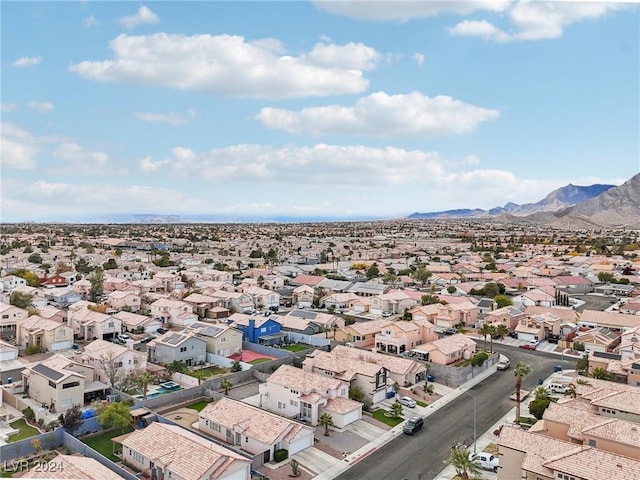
<point>110,324</point>
<point>216,427</point>
<point>222,340</point>
<point>592,442</point>
<point>183,349</point>
<point>62,332</point>
<point>293,403</point>
<point>281,405</point>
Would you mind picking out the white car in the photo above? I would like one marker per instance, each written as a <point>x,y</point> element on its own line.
<point>386,314</point>
<point>485,461</point>
<point>407,402</point>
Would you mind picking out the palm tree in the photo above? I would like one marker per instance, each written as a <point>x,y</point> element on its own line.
<point>326,421</point>
<point>396,410</point>
<point>541,393</point>
<point>459,459</point>
<point>502,331</point>
<point>143,381</point>
<point>571,390</point>
<point>520,371</point>
<point>485,330</point>
<point>226,385</point>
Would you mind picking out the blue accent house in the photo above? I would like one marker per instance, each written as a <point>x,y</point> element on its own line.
<point>265,330</point>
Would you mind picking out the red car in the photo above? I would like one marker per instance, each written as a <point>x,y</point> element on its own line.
<point>529,346</point>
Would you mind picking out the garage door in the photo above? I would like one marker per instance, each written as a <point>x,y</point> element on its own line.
<point>527,337</point>
<point>61,345</point>
<point>300,444</point>
<point>351,417</point>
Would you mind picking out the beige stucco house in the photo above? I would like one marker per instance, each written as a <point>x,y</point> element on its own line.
<point>46,334</point>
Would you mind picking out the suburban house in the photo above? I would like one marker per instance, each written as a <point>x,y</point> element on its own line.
<point>401,336</point>
<point>446,350</point>
<point>253,430</point>
<point>47,335</point>
<point>123,300</point>
<point>176,347</point>
<point>447,316</point>
<point>310,322</point>
<point>598,339</point>
<point>292,392</point>
<point>262,330</point>
<point>527,454</point>
<point>10,316</point>
<point>73,467</point>
<point>394,301</point>
<point>63,297</point>
<point>52,281</point>
<point>10,366</point>
<point>538,327</point>
<point>620,322</point>
<point>112,361</point>
<point>52,313</point>
<point>611,399</point>
<point>370,378</point>
<point>61,383</point>
<point>369,289</point>
<point>361,334</point>
<point>10,282</point>
<point>403,371</point>
<point>162,451</point>
<point>359,304</point>
<point>303,296</point>
<point>88,324</point>
<point>220,339</point>
<point>338,300</point>
<point>136,323</point>
<point>262,298</point>
<point>236,301</point>
<point>206,306</point>
<point>507,316</point>
<point>537,297</point>
<point>173,312</point>
<point>575,421</point>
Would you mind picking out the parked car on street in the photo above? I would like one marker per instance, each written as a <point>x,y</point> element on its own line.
<point>413,425</point>
<point>407,402</point>
<point>485,460</point>
<point>529,346</point>
<point>162,330</point>
<point>504,363</point>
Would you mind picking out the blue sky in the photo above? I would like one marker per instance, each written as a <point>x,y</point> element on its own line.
<point>312,109</point>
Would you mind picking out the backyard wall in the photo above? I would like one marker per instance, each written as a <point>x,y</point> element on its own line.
<point>308,339</point>
<point>225,362</point>
<point>456,376</point>
<point>263,349</point>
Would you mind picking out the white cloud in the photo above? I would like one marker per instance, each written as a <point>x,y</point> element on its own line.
<point>18,148</point>
<point>170,118</point>
<point>229,65</point>
<point>82,161</point>
<point>316,165</point>
<point>24,62</point>
<point>419,58</point>
<point>536,20</point>
<point>7,107</point>
<point>383,115</point>
<point>41,107</point>
<point>90,21</point>
<point>143,15</point>
<point>405,10</point>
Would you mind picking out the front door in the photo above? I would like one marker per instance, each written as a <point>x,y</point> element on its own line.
<point>266,457</point>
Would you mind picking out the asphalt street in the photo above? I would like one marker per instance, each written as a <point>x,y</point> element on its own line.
<point>423,456</point>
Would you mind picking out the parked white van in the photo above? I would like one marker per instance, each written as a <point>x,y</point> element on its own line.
<point>485,461</point>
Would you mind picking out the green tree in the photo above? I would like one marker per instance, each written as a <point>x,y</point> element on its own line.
<point>177,366</point>
<point>451,289</point>
<point>485,330</point>
<point>429,299</point>
<point>583,363</point>
<point>501,331</point>
<point>502,300</point>
<point>143,380</point>
<point>115,415</point>
<point>356,393</point>
<point>29,276</point>
<point>110,264</point>
<point>97,285</point>
<point>373,271</point>
<point>236,366</point>
<point>600,373</point>
<point>200,375</point>
<point>35,258</point>
<point>326,421</point>
<point>540,403</point>
<point>605,277</point>
<point>491,290</point>
<point>226,385</point>
<point>20,299</point>
<point>520,372</point>
<point>460,460</point>
<point>422,275</point>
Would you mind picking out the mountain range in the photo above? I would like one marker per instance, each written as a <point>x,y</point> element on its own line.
<point>571,205</point>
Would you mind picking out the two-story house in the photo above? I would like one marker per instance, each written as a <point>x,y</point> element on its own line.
<point>292,392</point>
<point>255,431</point>
<point>394,301</point>
<point>112,362</point>
<point>361,334</point>
<point>220,339</point>
<point>47,335</point>
<point>262,330</point>
<point>205,306</point>
<point>446,350</point>
<point>124,300</point>
<point>136,323</point>
<point>173,312</point>
<point>10,317</point>
<point>370,378</point>
<point>89,324</point>
<point>401,336</point>
<point>10,282</point>
<point>303,296</point>
<point>164,452</point>
<point>175,347</point>
<point>538,327</point>
<point>262,298</point>
<point>447,316</point>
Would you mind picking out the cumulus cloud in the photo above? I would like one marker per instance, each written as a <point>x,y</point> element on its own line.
<point>536,20</point>
<point>18,147</point>
<point>316,165</point>
<point>405,10</point>
<point>90,21</point>
<point>383,115</point>
<point>82,161</point>
<point>143,15</point>
<point>231,65</point>
<point>41,107</point>
<point>24,62</point>
<point>419,58</point>
<point>7,107</point>
<point>170,118</point>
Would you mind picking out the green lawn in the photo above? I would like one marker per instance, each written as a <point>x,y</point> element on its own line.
<point>103,444</point>
<point>297,347</point>
<point>259,360</point>
<point>422,404</point>
<point>380,416</point>
<point>26,431</point>
<point>198,405</point>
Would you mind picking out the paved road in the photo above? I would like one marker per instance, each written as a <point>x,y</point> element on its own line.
<point>422,457</point>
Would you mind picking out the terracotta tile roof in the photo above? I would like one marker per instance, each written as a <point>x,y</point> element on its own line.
<point>73,467</point>
<point>303,381</point>
<point>624,401</point>
<point>344,370</point>
<point>253,422</point>
<point>396,365</point>
<point>595,464</point>
<point>183,453</point>
<point>342,405</point>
